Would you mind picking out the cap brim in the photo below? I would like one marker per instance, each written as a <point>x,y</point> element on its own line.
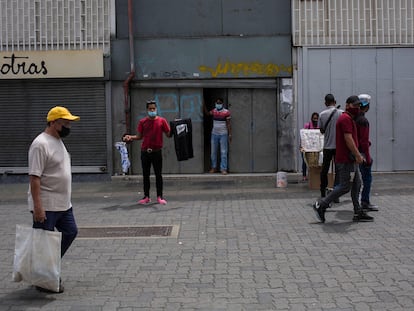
<point>71,118</point>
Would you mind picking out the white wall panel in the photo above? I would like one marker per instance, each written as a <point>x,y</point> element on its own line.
<point>385,74</point>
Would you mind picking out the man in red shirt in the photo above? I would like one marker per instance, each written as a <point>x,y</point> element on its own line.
<point>347,159</point>
<point>150,130</point>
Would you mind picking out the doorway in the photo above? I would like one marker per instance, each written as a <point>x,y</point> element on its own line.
<point>210,96</point>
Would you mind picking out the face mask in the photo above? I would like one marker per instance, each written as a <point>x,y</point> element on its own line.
<point>152,114</point>
<point>64,131</point>
<point>353,111</point>
<point>219,106</point>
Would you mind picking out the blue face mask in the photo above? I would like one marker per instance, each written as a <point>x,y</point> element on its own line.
<point>219,106</point>
<point>152,114</point>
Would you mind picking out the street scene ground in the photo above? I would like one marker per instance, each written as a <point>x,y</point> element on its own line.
<point>237,243</point>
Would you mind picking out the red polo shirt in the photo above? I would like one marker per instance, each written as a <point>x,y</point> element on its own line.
<point>345,124</point>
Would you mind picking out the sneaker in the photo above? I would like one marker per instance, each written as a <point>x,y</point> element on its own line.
<point>224,172</point>
<point>144,200</point>
<point>213,170</point>
<point>161,201</point>
<point>368,207</point>
<point>319,211</point>
<point>362,216</point>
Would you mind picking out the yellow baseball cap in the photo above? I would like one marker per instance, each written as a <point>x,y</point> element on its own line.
<point>59,112</point>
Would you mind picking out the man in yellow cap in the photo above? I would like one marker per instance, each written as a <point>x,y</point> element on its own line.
<point>50,178</point>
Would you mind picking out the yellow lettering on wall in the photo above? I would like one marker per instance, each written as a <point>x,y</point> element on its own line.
<point>245,69</point>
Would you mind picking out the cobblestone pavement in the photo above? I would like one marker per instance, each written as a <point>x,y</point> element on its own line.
<point>242,244</point>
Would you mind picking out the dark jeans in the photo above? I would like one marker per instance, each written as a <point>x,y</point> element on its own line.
<point>343,171</point>
<point>304,166</point>
<point>328,157</point>
<point>64,222</point>
<point>154,158</point>
<point>366,175</point>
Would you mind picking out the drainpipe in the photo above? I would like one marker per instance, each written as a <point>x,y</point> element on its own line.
<point>132,71</point>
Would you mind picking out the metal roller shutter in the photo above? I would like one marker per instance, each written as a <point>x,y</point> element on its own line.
<point>23,108</point>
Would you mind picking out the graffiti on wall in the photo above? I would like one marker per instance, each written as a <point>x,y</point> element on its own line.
<point>245,69</point>
<point>184,106</point>
<point>146,63</point>
<point>222,68</point>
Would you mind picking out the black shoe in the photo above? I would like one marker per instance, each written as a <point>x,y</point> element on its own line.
<point>319,211</point>
<point>368,207</point>
<point>48,291</point>
<point>362,216</point>
<point>336,200</point>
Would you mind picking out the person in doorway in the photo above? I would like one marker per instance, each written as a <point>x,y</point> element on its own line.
<point>220,136</point>
<point>327,125</point>
<point>150,129</point>
<point>50,180</point>
<point>364,146</point>
<point>347,159</point>
<point>311,125</point>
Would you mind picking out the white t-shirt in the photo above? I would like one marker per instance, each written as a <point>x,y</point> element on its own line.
<point>49,160</point>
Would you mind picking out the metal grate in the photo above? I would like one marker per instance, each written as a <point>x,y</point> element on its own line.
<point>54,25</point>
<point>126,232</point>
<point>352,22</point>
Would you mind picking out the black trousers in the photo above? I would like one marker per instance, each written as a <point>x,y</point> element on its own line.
<point>328,156</point>
<point>155,159</point>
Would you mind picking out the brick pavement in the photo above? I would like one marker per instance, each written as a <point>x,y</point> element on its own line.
<point>242,245</point>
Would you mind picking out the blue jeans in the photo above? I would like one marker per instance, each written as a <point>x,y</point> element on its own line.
<point>64,222</point>
<point>366,182</point>
<point>343,171</point>
<point>221,140</point>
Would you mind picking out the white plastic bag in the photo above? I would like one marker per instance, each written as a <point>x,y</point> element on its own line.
<point>121,147</point>
<point>37,257</point>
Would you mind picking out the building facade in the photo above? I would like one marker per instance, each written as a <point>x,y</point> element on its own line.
<point>347,47</point>
<point>185,54</point>
<point>54,53</point>
<point>271,61</point>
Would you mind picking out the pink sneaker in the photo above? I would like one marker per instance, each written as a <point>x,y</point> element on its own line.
<point>144,200</point>
<point>161,201</point>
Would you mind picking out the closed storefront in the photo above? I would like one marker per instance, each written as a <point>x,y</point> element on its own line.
<point>23,108</point>
<point>257,117</point>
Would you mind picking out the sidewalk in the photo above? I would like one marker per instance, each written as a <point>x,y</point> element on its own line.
<point>237,243</point>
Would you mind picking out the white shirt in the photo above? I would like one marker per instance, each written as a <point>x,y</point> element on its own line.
<point>49,160</point>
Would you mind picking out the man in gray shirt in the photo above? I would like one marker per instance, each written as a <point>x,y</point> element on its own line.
<point>327,125</point>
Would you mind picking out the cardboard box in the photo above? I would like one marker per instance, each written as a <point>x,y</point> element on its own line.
<point>314,178</point>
